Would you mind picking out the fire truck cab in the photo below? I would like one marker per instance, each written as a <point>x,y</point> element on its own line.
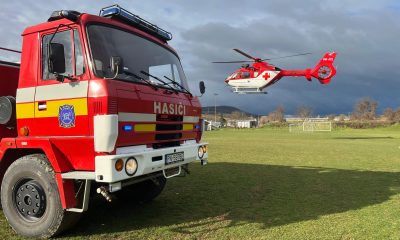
<point>97,102</point>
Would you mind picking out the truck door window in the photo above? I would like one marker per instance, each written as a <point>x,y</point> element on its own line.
<point>64,38</point>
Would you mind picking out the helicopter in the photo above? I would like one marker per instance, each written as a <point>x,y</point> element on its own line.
<point>254,78</point>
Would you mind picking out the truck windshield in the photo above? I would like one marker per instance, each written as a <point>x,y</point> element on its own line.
<point>138,54</point>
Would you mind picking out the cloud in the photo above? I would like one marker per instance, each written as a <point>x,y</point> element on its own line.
<point>365,39</point>
<point>365,35</point>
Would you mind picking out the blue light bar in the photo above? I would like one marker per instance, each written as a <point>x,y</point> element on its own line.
<point>117,12</point>
<point>127,128</point>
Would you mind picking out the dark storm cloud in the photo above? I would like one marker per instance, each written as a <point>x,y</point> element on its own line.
<point>364,33</point>
<point>366,40</point>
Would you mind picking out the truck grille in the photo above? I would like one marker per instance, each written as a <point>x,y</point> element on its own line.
<point>172,126</point>
<point>112,106</point>
<point>168,127</point>
<point>169,118</point>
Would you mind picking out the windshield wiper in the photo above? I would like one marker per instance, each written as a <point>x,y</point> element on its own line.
<point>163,82</point>
<point>140,78</point>
<point>179,85</point>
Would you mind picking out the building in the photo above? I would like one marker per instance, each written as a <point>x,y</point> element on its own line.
<point>252,123</point>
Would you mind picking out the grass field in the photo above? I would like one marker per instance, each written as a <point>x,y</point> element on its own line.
<point>268,184</point>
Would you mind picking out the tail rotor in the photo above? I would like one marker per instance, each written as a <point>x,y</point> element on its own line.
<point>324,70</point>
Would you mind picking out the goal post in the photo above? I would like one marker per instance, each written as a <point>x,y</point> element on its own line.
<point>295,127</point>
<point>317,126</point>
<point>311,126</point>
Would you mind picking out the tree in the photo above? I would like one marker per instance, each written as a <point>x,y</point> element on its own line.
<point>263,120</point>
<point>365,109</point>
<point>342,117</point>
<point>304,111</point>
<point>236,115</point>
<point>331,117</point>
<point>397,115</point>
<point>389,115</point>
<point>278,115</point>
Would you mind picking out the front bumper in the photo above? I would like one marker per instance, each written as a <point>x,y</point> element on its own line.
<point>149,160</point>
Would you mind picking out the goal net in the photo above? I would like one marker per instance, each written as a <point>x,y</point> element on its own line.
<point>311,126</point>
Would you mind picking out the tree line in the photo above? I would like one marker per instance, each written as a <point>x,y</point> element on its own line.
<point>365,109</point>
<point>364,115</point>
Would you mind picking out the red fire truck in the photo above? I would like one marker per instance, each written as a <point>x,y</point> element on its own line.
<point>96,102</point>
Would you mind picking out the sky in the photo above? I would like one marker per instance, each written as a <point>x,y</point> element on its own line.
<point>365,34</point>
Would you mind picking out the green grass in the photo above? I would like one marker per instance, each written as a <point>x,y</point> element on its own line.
<point>268,184</point>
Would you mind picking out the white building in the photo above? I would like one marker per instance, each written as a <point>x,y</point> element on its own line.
<point>246,123</point>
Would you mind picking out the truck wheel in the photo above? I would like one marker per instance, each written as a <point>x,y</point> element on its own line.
<point>143,192</point>
<point>30,198</point>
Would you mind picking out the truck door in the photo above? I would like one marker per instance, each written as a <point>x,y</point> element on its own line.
<point>61,108</point>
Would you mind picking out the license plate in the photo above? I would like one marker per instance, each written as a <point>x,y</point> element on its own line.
<point>173,158</point>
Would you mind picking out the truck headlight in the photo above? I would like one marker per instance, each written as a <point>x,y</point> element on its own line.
<point>131,166</point>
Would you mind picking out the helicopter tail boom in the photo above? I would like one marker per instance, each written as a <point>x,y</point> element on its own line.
<point>323,71</point>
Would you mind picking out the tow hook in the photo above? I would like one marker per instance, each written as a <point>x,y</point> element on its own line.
<point>103,191</point>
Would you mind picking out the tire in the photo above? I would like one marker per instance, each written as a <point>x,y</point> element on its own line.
<point>31,201</point>
<point>143,192</point>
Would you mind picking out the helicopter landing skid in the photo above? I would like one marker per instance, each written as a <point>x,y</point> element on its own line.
<point>248,91</point>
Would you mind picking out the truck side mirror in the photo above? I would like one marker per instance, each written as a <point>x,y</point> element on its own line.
<point>202,87</point>
<point>117,65</point>
<point>56,58</point>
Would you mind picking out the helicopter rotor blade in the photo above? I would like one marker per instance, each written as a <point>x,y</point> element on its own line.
<point>301,54</point>
<point>234,62</point>
<point>257,59</point>
<point>245,54</point>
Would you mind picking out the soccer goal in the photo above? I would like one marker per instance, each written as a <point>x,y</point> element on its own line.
<point>311,126</point>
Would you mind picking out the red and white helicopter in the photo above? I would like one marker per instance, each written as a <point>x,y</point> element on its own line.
<point>254,78</point>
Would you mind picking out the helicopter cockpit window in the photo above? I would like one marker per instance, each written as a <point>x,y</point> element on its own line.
<point>233,76</point>
<point>245,74</point>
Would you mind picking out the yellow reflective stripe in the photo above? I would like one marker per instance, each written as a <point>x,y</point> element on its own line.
<point>187,127</point>
<point>25,110</point>
<point>53,107</point>
<point>145,127</point>
<point>31,110</point>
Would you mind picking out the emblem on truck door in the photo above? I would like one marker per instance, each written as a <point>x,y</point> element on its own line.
<point>66,116</point>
